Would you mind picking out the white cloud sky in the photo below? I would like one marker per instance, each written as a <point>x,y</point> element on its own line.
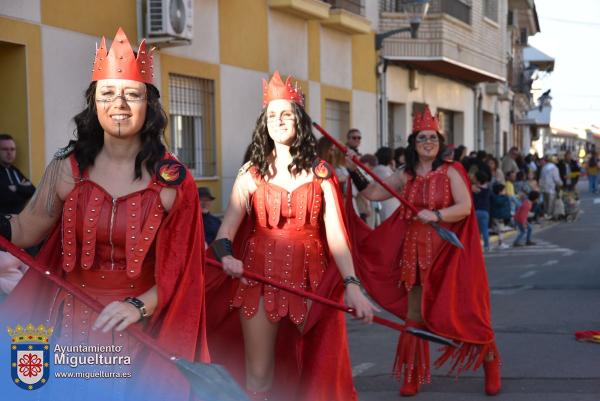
<point>570,32</point>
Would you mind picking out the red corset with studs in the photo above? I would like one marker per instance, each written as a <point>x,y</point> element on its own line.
<point>108,251</point>
<point>421,243</point>
<point>286,246</point>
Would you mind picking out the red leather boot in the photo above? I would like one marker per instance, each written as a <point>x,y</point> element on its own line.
<point>492,376</point>
<point>412,361</point>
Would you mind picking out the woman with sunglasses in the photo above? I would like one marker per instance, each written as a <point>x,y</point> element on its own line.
<point>433,285</point>
<point>121,221</point>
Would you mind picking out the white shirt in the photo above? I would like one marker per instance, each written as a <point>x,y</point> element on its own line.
<point>549,178</point>
<point>387,206</point>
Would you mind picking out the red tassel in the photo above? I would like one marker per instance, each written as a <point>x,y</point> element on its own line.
<point>412,361</point>
<point>468,356</point>
<point>472,356</point>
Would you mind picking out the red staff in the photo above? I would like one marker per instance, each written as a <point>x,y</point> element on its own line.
<point>326,301</point>
<point>209,381</point>
<point>445,234</point>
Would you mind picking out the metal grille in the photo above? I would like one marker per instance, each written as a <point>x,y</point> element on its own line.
<point>490,9</point>
<point>337,117</point>
<point>193,123</point>
<point>354,6</point>
<point>155,11</point>
<point>394,6</point>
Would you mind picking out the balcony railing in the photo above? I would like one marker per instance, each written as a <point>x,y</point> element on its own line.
<point>353,6</point>
<point>459,9</point>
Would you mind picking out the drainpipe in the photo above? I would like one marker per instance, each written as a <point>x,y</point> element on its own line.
<point>496,127</point>
<point>140,20</point>
<point>382,103</point>
<point>477,118</point>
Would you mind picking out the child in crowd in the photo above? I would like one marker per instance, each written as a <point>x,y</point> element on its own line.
<point>482,197</point>
<point>535,186</point>
<point>521,221</point>
<point>511,177</point>
<point>521,184</point>
<point>500,212</point>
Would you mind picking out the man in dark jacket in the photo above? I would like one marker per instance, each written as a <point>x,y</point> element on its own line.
<point>15,188</point>
<point>211,222</point>
<point>569,170</point>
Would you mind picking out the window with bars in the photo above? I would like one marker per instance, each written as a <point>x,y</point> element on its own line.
<point>490,9</point>
<point>192,115</point>
<point>337,117</point>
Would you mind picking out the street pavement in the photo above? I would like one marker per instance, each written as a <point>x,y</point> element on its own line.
<point>540,296</point>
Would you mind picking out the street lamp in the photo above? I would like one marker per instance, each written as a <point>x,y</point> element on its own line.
<point>416,11</point>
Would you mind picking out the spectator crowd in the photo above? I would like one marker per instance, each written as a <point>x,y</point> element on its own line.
<point>514,193</point>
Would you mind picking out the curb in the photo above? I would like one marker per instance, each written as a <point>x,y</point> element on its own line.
<point>509,234</point>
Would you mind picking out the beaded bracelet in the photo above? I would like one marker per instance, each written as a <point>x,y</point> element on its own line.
<point>352,280</point>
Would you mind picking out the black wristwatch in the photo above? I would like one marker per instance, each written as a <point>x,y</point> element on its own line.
<point>138,304</point>
<point>438,214</point>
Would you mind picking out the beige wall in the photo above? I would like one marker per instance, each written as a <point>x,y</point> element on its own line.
<point>205,46</point>
<point>28,10</point>
<point>13,108</point>
<point>336,58</point>
<point>364,117</point>
<point>69,80</point>
<point>241,101</point>
<point>314,107</point>
<point>288,44</point>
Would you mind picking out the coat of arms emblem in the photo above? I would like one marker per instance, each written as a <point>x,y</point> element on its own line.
<point>30,355</point>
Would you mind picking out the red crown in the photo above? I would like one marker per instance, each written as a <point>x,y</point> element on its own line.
<point>276,89</point>
<point>121,62</point>
<point>425,121</point>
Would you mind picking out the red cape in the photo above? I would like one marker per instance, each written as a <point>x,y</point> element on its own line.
<point>310,366</point>
<point>178,323</point>
<point>456,300</point>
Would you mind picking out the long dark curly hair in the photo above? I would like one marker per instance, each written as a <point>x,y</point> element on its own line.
<point>90,135</point>
<point>411,156</point>
<point>303,149</point>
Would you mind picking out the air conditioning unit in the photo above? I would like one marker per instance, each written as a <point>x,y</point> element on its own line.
<point>169,22</point>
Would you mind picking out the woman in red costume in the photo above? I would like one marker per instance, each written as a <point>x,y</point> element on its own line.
<point>286,218</point>
<point>120,217</point>
<point>433,285</point>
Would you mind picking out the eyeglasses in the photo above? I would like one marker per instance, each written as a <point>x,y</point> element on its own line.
<point>357,138</point>
<point>128,97</point>
<point>425,138</point>
<point>285,116</point>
